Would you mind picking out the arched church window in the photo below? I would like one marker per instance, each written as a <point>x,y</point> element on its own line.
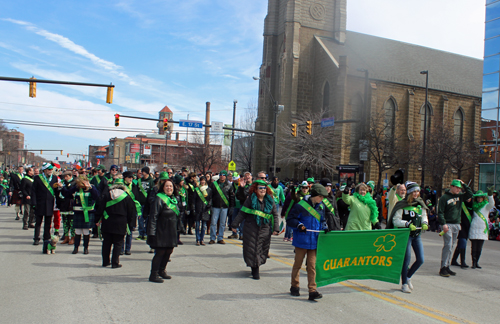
<point>458,124</point>
<point>390,117</point>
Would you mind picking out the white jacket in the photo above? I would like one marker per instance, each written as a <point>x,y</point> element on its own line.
<point>477,226</point>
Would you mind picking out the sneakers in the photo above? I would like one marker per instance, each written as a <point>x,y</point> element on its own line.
<point>406,289</point>
<point>315,295</point>
<point>211,242</point>
<point>453,273</point>
<point>221,242</point>
<point>295,291</point>
<point>233,236</point>
<point>128,253</point>
<point>443,272</point>
<point>202,243</point>
<point>139,238</point>
<point>408,281</point>
<point>197,243</point>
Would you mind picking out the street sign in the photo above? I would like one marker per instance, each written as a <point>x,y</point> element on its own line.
<point>386,183</point>
<point>363,156</point>
<point>100,156</point>
<point>328,122</point>
<point>165,165</point>
<point>231,166</point>
<point>217,126</point>
<point>191,123</point>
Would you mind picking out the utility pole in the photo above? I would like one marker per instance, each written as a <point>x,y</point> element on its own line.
<point>425,126</point>
<point>234,121</point>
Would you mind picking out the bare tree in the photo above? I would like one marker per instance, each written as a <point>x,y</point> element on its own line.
<point>463,156</point>
<point>317,151</point>
<point>244,144</point>
<point>385,146</point>
<point>437,163</point>
<point>202,157</point>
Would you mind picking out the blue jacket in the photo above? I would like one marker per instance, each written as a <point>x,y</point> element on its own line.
<point>300,216</point>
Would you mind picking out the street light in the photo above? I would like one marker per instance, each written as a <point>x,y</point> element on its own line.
<point>425,124</point>
<point>277,110</point>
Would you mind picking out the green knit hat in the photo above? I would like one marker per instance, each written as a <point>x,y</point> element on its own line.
<point>164,175</point>
<point>479,193</point>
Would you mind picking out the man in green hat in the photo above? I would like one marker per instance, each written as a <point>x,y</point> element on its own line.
<point>449,216</point>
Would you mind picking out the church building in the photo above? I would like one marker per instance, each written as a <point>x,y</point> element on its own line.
<point>312,63</point>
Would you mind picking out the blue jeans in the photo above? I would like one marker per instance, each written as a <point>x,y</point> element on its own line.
<point>128,242</point>
<point>418,248</point>
<point>462,243</point>
<point>200,227</point>
<point>216,214</point>
<point>288,232</point>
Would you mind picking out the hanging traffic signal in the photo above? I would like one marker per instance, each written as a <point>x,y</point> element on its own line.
<point>41,152</point>
<point>32,88</point>
<point>67,155</point>
<point>117,120</point>
<point>294,130</point>
<point>309,125</point>
<point>109,96</point>
<point>61,152</point>
<point>165,124</point>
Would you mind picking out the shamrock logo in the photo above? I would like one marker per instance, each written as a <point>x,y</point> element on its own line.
<point>386,243</point>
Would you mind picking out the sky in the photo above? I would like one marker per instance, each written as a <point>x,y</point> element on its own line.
<point>175,53</point>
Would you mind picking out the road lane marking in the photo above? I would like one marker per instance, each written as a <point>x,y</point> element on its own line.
<point>398,301</point>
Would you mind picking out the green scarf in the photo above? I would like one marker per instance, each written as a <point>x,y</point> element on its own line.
<point>372,205</point>
<point>268,207</point>
<point>478,206</point>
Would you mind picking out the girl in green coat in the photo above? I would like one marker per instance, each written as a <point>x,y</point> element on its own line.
<point>364,210</point>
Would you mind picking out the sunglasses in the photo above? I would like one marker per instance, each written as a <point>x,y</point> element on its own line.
<point>263,178</point>
<point>261,188</point>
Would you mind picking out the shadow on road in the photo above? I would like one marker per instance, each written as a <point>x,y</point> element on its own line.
<point>111,278</point>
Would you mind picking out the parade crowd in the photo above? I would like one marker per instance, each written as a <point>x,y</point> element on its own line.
<point>160,207</point>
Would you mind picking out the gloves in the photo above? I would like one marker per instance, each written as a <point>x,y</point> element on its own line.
<point>490,190</point>
<point>346,190</point>
<point>302,228</point>
<point>326,230</point>
<point>377,226</point>
<point>425,227</point>
<point>412,227</point>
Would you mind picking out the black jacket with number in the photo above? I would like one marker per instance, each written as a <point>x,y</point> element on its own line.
<point>41,198</point>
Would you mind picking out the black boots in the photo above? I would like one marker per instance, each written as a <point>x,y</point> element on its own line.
<point>86,240</point>
<point>295,291</point>
<point>163,274</point>
<point>475,258</point>
<point>315,295</point>
<point>255,273</point>
<point>463,265</point>
<point>153,277</point>
<point>78,239</point>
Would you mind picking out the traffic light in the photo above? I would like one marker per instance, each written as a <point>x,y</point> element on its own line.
<point>41,152</point>
<point>117,120</point>
<point>32,89</point>
<point>165,124</point>
<point>109,95</point>
<point>61,152</point>
<point>67,155</point>
<point>294,130</point>
<point>309,125</point>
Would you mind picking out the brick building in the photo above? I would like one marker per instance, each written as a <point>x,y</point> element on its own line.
<point>311,63</point>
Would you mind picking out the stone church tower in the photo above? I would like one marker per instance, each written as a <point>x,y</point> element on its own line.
<point>287,68</point>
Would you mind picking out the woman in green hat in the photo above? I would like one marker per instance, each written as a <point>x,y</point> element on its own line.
<point>479,228</point>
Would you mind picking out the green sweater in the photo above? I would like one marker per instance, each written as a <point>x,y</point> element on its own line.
<point>450,206</point>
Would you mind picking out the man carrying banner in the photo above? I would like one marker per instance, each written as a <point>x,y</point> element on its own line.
<point>307,218</point>
<point>410,213</point>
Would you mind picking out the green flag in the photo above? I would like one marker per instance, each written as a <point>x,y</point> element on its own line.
<point>377,255</point>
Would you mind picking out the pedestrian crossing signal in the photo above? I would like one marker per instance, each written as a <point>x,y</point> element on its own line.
<point>165,124</point>
<point>309,127</point>
<point>117,120</point>
<point>109,95</point>
<point>294,130</point>
<point>32,89</point>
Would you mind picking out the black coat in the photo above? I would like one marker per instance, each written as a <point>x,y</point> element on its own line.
<point>227,190</point>
<point>202,210</point>
<point>333,219</point>
<point>65,204</point>
<point>191,199</point>
<point>26,185</point>
<point>79,216</point>
<point>163,225</point>
<point>41,198</point>
<point>465,223</point>
<point>256,239</point>
<point>120,214</point>
<point>343,209</point>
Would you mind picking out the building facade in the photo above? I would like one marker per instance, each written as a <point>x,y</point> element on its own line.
<point>311,63</point>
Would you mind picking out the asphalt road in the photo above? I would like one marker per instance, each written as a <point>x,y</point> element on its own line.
<point>211,284</point>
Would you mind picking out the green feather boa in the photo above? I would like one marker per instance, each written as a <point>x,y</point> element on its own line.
<point>478,206</point>
<point>372,205</point>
